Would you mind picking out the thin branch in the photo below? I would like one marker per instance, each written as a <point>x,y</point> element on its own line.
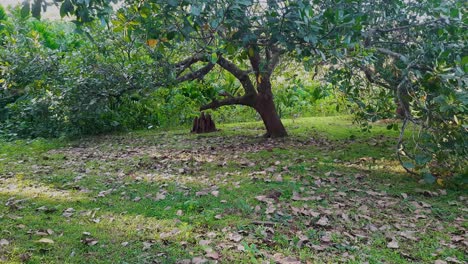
<point>400,147</point>
<point>241,75</point>
<point>198,74</point>
<point>255,60</point>
<point>274,60</point>
<point>386,30</point>
<point>190,60</point>
<point>242,100</point>
<point>183,65</point>
<point>393,54</point>
<point>370,76</point>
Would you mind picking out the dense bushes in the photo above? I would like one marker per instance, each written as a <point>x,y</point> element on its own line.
<point>56,82</point>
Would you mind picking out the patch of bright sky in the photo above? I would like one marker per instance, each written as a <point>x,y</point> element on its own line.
<point>51,13</point>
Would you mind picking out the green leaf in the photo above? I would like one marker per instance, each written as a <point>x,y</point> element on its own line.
<point>251,52</point>
<point>214,58</point>
<point>408,165</point>
<point>25,9</point>
<point>36,9</point>
<point>465,60</point>
<point>429,178</point>
<point>173,3</point>
<point>171,35</point>
<point>422,159</point>
<point>66,8</point>
<point>454,13</point>
<point>195,10</point>
<point>145,12</point>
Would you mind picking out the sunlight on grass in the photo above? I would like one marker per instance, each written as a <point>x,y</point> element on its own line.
<point>33,189</point>
<point>165,196</point>
<point>389,166</point>
<point>147,228</point>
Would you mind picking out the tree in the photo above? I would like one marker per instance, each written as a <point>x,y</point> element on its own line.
<point>402,54</point>
<point>414,56</point>
<point>245,38</point>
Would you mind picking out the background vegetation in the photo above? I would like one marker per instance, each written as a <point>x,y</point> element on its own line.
<point>372,93</point>
<point>60,80</point>
<point>57,82</point>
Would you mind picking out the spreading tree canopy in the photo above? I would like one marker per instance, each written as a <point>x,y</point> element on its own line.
<point>404,54</point>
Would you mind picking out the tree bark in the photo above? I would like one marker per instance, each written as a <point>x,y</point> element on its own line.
<point>266,108</point>
<point>259,98</point>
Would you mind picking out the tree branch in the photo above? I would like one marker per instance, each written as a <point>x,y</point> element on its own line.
<point>198,74</point>
<point>370,76</point>
<point>274,60</point>
<point>401,147</point>
<point>255,61</point>
<point>183,65</point>
<point>386,30</point>
<point>393,54</point>
<point>242,76</point>
<point>246,100</point>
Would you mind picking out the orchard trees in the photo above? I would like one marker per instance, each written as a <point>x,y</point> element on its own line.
<point>413,55</point>
<point>404,54</point>
<point>245,38</point>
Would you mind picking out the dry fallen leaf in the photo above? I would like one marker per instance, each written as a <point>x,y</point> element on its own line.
<point>4,242</point>
<point>319,247</point>
<point>235,237</point>
<point>45,241</point>
<point>345,217</point>
<point>279,258</point>
<point>147,245</point>
<point>409,235</point>
<point>393,244</point>
<point>160,196</point>
<point>457,239</point>
<point>173,232</point>
<point>270,209</point>
<point>46,209</point>
<point>68,212</point>
<point>453,260</point>
<point>323,221</point>
<point>25,257</point>
<point>199,260</point>
<point>213,255</point>
<point>326,238</point>
<point>89,241</point>
<point>211,234</point>
<point>204,242</point>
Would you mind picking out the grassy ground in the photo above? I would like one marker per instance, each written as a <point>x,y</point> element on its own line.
<point>326,194</point>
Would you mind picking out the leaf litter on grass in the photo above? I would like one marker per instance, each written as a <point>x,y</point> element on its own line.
<point>231,198</point>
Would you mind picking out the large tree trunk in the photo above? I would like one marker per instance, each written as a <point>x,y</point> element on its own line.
<point>260,98</point>
<point>266,108</point>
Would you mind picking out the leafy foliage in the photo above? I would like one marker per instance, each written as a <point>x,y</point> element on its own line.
<point>414,61</point>
<point>407,57</point>
<point>56,83</point>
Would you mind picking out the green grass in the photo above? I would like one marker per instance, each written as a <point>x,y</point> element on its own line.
<point>318,196</point>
